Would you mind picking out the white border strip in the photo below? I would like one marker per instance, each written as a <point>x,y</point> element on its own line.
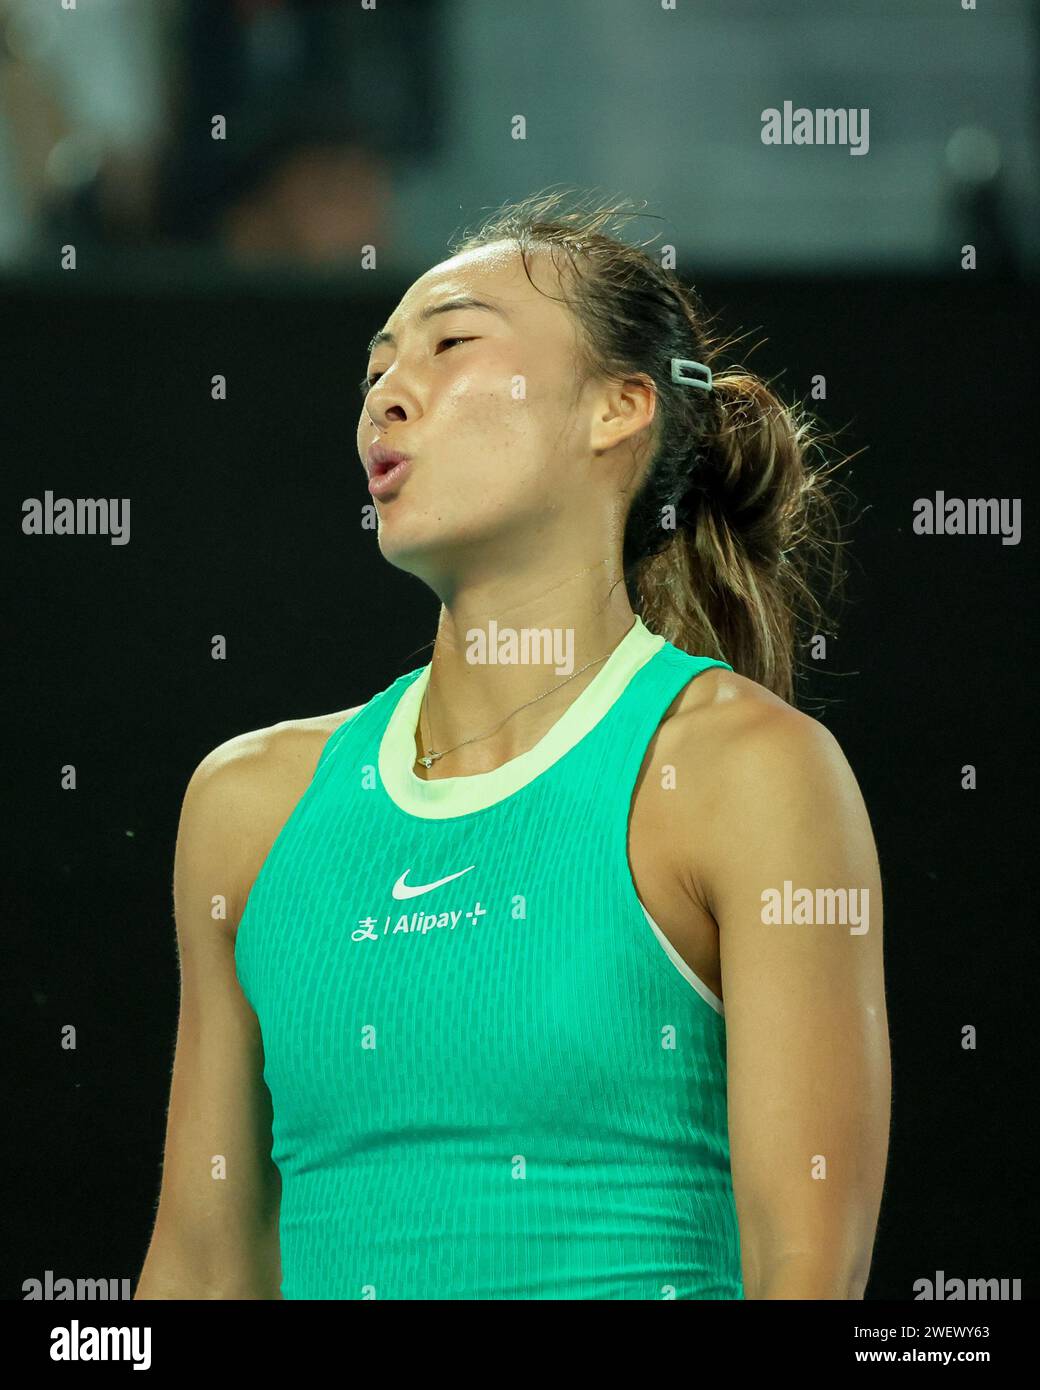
<point>709,996</point>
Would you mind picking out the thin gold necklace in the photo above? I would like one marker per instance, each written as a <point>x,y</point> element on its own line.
<point>430,758</point>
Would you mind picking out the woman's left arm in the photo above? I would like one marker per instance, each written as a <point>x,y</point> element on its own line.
<point>794,885</point>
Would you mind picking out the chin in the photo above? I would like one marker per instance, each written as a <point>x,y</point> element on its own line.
<point>409,541</point>
<point>428,544</point>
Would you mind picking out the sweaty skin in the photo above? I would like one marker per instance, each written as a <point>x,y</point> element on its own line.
<point>513,509</point>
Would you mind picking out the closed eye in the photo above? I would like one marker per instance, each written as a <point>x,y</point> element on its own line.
<point>367,382</point>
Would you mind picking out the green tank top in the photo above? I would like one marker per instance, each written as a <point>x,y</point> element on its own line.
<point>492,1076</point>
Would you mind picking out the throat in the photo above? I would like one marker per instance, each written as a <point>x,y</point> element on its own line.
<point>462,762</point>
<point>489,753</point>
<point>469,736</point>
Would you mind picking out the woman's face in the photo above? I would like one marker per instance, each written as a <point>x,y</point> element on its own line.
<point>484,403</point>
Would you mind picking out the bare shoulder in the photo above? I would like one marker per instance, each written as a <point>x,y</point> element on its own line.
<point>737,737</point>
<point>736,706</point>
<point>280,755</point>
<point>755,776</point>
<point>242,792</point>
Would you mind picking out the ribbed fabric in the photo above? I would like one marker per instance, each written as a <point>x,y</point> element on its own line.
<point>502,1087</point>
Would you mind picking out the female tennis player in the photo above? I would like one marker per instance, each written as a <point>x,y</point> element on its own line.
<point>554,970</point>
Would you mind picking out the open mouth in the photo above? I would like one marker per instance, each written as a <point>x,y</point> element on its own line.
<point>386,475</point>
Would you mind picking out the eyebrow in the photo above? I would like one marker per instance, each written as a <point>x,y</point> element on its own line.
<point>462,301</point>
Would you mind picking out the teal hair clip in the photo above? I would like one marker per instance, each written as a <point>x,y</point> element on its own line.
<point>680,365</point>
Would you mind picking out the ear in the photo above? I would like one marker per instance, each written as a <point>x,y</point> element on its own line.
<point>622,411</point>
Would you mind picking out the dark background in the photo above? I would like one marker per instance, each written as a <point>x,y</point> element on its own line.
<point>245,520</point>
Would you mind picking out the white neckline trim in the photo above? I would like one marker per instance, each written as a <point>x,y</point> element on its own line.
<point>445,797</point>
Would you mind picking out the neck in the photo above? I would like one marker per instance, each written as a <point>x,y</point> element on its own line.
<point>495,651</point>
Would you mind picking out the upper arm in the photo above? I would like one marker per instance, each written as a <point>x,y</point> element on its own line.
<point>216,1226</point>
<point>806,1024</point>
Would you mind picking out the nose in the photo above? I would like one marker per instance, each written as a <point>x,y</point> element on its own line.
<point>384,405</point>
<point>390,399</point>
<point>383,418</point>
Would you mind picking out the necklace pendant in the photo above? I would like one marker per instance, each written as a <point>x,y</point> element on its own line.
<point>428,760</point>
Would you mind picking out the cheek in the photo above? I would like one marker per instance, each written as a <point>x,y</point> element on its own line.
<point>504,413</point>
<point>481,397</point>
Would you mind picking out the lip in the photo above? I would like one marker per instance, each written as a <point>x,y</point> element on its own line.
<point>381,458</point>
<point>381,483</point>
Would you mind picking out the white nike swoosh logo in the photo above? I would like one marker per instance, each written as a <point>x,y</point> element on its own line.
<point>402,890</point>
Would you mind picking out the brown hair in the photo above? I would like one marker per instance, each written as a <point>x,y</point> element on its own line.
<point>735,514</point>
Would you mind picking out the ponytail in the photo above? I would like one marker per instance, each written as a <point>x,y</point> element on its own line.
<point>753,529</point>
<point>733,516</point>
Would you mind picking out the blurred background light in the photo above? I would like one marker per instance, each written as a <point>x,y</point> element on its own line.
<point>394,127</point>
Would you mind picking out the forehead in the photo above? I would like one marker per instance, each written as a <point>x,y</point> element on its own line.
<point>494,273</point>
